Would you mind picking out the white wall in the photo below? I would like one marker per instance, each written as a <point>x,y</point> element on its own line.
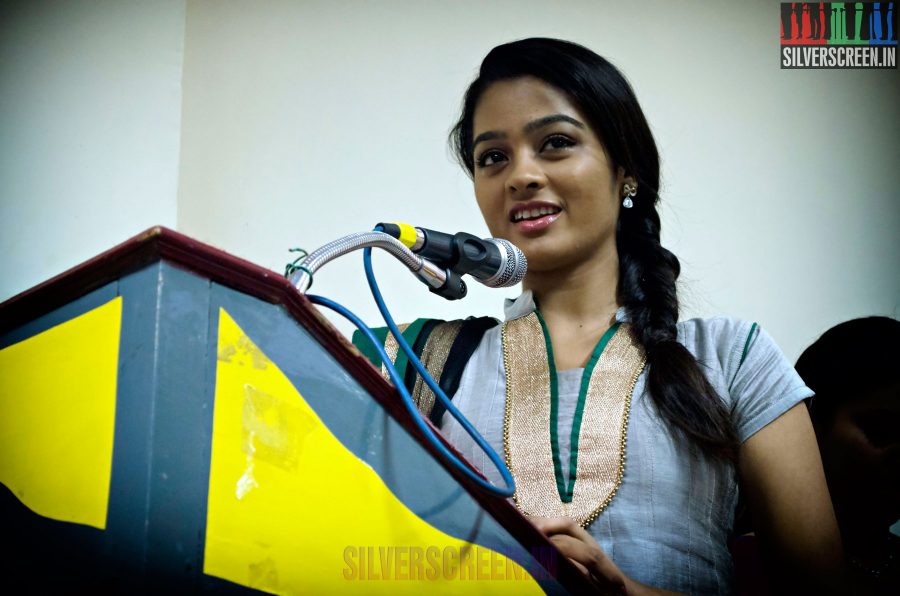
<point>90,122</point>
<point>302,121</point>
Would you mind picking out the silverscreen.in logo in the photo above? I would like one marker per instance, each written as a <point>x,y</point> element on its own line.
<point>838,35</point>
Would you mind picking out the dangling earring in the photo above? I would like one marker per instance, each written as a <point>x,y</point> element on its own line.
<point>630,191</point>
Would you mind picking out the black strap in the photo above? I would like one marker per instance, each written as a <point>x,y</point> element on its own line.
<point>468,338</point>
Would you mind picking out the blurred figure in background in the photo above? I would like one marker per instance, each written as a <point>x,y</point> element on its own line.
<point>854,370</point>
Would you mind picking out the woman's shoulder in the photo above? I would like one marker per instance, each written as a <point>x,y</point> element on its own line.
<point>719,325</point>
<point>747,368</point>
<point>724,340</point>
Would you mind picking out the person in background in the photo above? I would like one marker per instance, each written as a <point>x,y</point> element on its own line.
<point>854,370</point>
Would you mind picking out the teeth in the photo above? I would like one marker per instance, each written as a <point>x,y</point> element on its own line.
<point>533,213</point>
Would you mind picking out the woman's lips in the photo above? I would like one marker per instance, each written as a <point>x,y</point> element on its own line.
<point>535,225</point>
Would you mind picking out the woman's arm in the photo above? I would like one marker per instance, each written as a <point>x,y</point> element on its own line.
<point>781,474</point>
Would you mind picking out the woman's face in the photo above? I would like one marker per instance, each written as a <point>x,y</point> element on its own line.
<point>542,177</point>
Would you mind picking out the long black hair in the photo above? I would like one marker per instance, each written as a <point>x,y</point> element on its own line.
<point>647,271</point>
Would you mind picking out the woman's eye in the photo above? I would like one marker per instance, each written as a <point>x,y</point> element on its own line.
<point>489,158</point>
<point>558,142</point>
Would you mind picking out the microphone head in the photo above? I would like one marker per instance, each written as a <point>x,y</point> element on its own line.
<point>513,267</point>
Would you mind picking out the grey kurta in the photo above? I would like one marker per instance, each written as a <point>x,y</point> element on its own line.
<point>669,523</point>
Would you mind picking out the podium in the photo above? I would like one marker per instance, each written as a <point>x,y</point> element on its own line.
<point>175,418</point>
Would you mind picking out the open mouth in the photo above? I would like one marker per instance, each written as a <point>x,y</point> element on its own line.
<point>533,213</point>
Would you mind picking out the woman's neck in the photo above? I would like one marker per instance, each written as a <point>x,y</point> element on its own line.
<point>584,295</point>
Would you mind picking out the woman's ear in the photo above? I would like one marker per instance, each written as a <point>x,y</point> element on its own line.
<point>623,178</point>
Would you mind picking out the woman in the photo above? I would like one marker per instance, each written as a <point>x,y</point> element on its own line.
<point>565,167</point>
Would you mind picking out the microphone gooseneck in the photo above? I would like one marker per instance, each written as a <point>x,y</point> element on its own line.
<point>494,262</point>
<point>440,281</point>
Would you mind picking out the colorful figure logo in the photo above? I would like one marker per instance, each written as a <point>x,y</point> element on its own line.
<point>845,23</point>
<point>838,35</point>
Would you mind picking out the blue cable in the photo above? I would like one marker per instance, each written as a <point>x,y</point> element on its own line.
<point>414,412</point>
<point>439,393</point>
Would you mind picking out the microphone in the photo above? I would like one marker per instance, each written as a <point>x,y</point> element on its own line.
<point>494,262</point>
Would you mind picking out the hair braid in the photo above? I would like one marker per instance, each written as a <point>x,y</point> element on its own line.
<point>682,394</point>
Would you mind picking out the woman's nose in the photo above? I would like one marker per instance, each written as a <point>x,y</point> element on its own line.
<point>526,174</point>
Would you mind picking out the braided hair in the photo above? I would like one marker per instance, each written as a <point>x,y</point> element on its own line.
<point>683,396</point>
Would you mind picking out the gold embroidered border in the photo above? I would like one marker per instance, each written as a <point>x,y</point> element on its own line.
<point>391,347</point>
<point>434,357</point>
<point>526,420</point>
<point>602,438</point>
<point>600,469</point>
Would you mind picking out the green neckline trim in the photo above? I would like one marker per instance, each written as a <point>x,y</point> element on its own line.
<point>566,491</point>
<point>579,409</point>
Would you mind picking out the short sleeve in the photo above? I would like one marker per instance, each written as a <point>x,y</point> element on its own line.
<point>765,385</point>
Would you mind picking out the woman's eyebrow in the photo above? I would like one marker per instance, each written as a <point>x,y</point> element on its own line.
<point>488,136</point>
<point>552,119</point>
<point>530,127</point>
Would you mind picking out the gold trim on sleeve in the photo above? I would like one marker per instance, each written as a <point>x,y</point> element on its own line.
<point>391,347</point>
<point>434,357</point>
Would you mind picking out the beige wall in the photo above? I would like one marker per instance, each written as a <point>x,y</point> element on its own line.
<point>90,125</point>
<point>303,121</point>
<point>309,120</point>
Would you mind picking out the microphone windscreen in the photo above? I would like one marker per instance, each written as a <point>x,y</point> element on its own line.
<point>514,268</point>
